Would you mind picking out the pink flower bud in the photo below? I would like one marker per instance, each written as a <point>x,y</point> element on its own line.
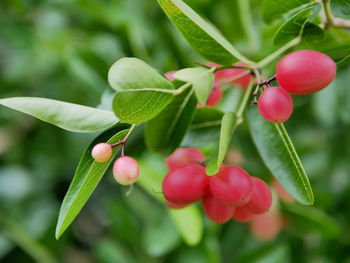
<point>126,170</point>
<point>101,152</point>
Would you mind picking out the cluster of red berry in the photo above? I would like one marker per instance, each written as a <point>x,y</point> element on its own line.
<point>301,72</point>
<point>230,194</point>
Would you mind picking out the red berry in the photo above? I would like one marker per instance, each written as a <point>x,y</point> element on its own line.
<point>126,170</point>
<point>242,215</point>
<point>266,227</point>
<point>232,185</point>
<point>101,152</point>
<point>183,156</point>
<point>225,74</point>
<point>261,200</point>
<point>170,75</point>
<point>185,184</point>
<point>216,210</point>
<point>214,97</point>
<point>275,105</point>
<point>174,205</point>
<point>305,71</point>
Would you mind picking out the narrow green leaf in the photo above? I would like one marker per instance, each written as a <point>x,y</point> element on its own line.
<point>341,7</point>
<point>189,223</point>
<point>164,133</point>
<point>68,116</point>
<point>142,92</point>
<point>312,219</point>
<point>313,33</point>
<point>278,153</point>
<point>228,125</point>
<point>275,9</point>
<point>202,81</point>
<point>293,27</point>
<point>344,62</point>
<point>202,36</point>
<point>86,178</point>
<point>205,127</point>
<point>160,237</point>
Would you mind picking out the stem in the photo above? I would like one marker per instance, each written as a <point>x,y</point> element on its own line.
<point>238,76</point>
<point>341,23</point>
<point>328,12</point>
<point>244,102</point>
<point>330,19</point>
<point>131,188</point>
<point>258,81</point>
<point>123,142</point>
<point>278,52</point>
<point>268,81</point>
<point>223,67</point>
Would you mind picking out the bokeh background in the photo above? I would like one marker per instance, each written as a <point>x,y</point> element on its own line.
<point>62,49</point>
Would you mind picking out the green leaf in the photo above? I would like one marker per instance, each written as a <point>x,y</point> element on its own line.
<point>86,178</point>
<point>228,125</point>
<point>267,253</point>
<point>188,221</point>
<point>202,81</point>
<point>204,128</point>
<point>68,116</point>
<point>278,153</point>
<point>293,27</point>
<point>275,9</point>
<point>202,36</point>
<point>344,62</point>
<point>164,133</point>
<point>313,33</point>
<point>160,237</point>
<point>341,7</point>
<point>142,92</point>
<point>308,219</point>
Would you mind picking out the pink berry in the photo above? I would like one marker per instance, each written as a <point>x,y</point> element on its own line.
<point>101,152</point>
<point>261,200</point>
<point>183,156</point>
<point>185,184</point>
<point>170,75</point>
<point>216,210</point>
<point>224,74</point>
<point>214,97</point>
<point>232,185</point>
<point>275,105</point>
<point>242,215</point>
<point>305,71</point>
<point>126,170</point>
<point>174,205</point>
<point>266,227</point>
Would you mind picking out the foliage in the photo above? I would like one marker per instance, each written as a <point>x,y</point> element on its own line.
<point>62,50</point>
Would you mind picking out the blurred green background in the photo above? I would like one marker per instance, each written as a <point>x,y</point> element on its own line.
<point>62,49</point>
